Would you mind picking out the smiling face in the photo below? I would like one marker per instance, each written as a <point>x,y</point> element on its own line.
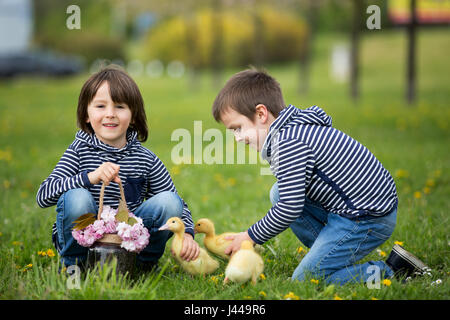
<point>250,132</point>
<point>108,119</point>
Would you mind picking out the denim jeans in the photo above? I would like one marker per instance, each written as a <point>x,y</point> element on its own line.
<point>154,213</point>
<point>337,243</point>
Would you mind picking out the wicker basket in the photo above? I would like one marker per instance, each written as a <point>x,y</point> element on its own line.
<point>108,247</point>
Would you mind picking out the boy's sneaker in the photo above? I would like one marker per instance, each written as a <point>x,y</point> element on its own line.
<point>405,264</point>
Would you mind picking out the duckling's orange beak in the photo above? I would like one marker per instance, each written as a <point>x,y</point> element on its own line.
<point>164,227</point>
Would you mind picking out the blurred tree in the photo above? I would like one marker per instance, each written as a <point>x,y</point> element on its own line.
<point>310,7</point>
<point>217,41</point>
<point>411,59</point>
<point>94,39</point>
<point>358,13</point>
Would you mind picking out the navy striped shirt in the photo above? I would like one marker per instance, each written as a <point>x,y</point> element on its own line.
<point>142,173</point>
<point>312,159</point>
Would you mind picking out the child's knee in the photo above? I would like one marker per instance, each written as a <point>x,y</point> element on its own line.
<point>309,269</point>
<point>75,203</point>
<point>170,204</point>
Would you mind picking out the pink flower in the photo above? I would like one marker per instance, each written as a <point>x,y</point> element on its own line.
<point>134,238</point>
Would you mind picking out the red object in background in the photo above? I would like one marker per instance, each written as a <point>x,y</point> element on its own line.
<point>427,11</point>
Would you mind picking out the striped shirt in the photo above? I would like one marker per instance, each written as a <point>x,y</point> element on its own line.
<point>312,159</point>
<point>142,173</point>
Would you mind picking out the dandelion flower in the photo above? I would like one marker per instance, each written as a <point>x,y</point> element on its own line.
<point>214,279</point>
<point>373,298</point>
<point>50,253</point>
<point>17,243</point>
<point>400,173</point>
<point>314,281</point>
<point>262,293</point>
<point>231,181</point>
<point>400,243</point>
<point>336,297</point>
<point>426,190</point>
<point>387,282</point>
<point>300,249</point>
<point>381,253</point>
<point>430,183</point>
<point>291,296</point>
<point>6,184</point>
<point>417,195</point>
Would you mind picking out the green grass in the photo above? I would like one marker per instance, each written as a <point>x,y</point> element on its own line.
<point>38,122</point>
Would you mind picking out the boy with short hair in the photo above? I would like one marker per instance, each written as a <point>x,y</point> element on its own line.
<point>331,191</point>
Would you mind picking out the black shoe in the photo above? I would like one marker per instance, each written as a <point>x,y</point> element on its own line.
<point>405,264</point>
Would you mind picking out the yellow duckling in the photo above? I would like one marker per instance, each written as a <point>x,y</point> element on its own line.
<point>244,265</point>
<point>214,243</point>
<point>204,264</point>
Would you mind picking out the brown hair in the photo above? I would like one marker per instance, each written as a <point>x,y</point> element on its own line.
<point>122,89</point>
<point>245,90</point>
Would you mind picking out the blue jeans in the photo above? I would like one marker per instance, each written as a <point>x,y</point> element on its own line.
<point>154,213</point>
<point>337,243</point>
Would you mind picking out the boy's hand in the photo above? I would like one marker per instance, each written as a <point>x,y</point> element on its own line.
<point>107,172</point>
<point>237,240</point>
<point>190,249</point>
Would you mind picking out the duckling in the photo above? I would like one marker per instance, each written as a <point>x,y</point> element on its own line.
<point>244,265</point>
<point>214,243</point>
<point>204,264</point>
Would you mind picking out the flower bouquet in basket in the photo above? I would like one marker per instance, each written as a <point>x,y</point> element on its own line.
<point>112,226</point>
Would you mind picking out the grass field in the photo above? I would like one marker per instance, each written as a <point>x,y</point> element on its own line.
<point>38,122</point>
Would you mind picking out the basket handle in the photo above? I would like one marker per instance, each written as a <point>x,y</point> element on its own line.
<point>102,194</point>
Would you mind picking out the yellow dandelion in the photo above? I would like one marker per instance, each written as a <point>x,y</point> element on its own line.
<point>386,282</point>
<point>381,253</point>
<point>214,279</point>
<point>291,296</point>
<point>417,195</point>
<point>300,249</point>
<point>262,276</point>
<point>400,243</point>
<point>175,170</point>
<point>29,265</point>
<point>426,190</point>
<point>42,253</point>
<point>50,253</point>
<point>336,297</point>
<point>262,293</point>
<point>437,173</point>
<point>373,298</point>
<point>400,173</point>
<point>6,155</point>
<point>231,181</point>
<point>6,184</point>
<point>314,281</point>
<point>17,243</point>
